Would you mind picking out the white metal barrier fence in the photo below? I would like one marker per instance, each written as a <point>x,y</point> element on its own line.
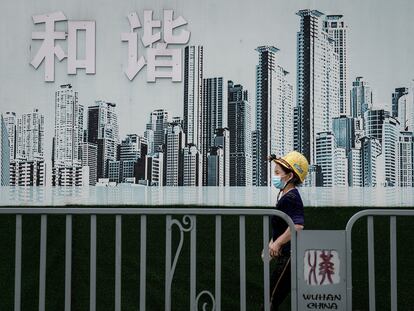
<point>392,214</point>
<point>188,223</point>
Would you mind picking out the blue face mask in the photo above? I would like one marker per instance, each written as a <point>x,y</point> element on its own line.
<point>278,182</point>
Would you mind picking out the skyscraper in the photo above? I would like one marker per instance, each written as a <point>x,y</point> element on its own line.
<point>66,160</point>
<point>68,127</point>
<point>193,94</point>
<point>344,131</point>
<point>239,124</point>
<point>361,97</point>
<point>103,131</point>
<point>338,30</point>
<point>399,92</point>
<point>149,135</point>
<point>114,171</point>
<point>388,166</point>
<point>27,167</point>
<point>255,144</point>
<point>155,131</point>
<point>175,142</point>
<point>317,84</point>
<point>10,120</point>
<point>340,167</point>
<point>370,151</point>
<point>358,131</point>
<point>213,101</point>
<point>355,168</point>
<point>274,112</point>
<point>216,161</point>
<point>325,159</point>
<point>403,107</point>
<point>222,139</point>
<point>30,136</point>
<point>332,161</point>
<point>373,123</point>
<point>133,150</point>
<point>191,166</point>
<point>89,156</point>
<point>154,169</point>
<point>4,154</point>
<point>405,161</point>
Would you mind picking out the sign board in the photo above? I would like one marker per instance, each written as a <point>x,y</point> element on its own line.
<point>321,262</point>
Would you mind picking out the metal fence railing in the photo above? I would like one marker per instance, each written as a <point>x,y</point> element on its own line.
<point>184,220</point>
<point>392,214</point>
<point>187,224</point>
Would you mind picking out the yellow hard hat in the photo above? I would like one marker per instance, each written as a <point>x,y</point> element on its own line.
<point>296,162</point>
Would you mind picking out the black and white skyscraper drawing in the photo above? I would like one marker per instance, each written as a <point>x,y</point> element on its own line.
<point>239,124</point>
<point>337,29</point>
<point>103,131</point>
<point>66,159</point>
<point>317,85</point>
<point>193,94</point>
<point>4,153</point>
<point>214,97</point>
<point>274,112</point>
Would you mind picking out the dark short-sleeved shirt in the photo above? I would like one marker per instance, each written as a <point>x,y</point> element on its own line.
<point>291,204</point>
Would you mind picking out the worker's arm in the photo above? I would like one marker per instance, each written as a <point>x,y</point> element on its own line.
<point>275,247</point>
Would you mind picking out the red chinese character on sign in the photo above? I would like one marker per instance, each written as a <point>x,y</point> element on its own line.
<point>312,270</point>
<point>321,267</point>
<point>326,267</point>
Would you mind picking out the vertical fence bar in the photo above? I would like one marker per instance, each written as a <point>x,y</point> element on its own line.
<point>193,259</point>
<point>143,263</point>
<point>92,280</point>
<point>18,264</point>
<point>393,262</point>
<point>42,268</point>
<point>242,263</point>
<point>348,268</point>
<point>118,261</point>
<point>218,264</point>
<point>266,285</point>
<point>68,262</point>
<point>371,264</point>
<point>168,239</point>
<point>294,269</point>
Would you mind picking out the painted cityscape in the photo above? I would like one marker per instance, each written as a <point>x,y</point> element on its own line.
<point>226,130</point>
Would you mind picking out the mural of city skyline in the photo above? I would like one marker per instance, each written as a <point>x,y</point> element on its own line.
<point>227,129</point>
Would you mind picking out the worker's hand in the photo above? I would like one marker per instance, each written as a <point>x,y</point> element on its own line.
<point>270,242</point>
<point>263,256</point>
<point>275,249</point>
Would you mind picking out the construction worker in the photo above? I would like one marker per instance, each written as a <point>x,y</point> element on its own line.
<point>289,172</point>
